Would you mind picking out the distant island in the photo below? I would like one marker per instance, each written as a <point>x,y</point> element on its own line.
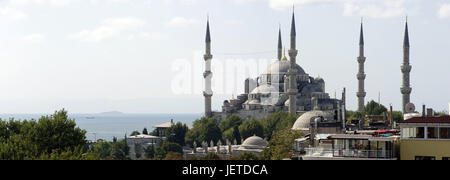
<point>111,113</point>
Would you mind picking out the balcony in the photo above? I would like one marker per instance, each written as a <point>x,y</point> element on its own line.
<point>352,154</point>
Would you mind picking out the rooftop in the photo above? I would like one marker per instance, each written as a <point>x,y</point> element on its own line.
<point>442,119</point>
<point>165,125</point>
<point>143,136</point>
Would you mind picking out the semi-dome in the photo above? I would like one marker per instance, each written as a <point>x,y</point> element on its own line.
<point>282,67</point>
<point>304,121</point>
<point>254,142</point>
<point>265,89</point>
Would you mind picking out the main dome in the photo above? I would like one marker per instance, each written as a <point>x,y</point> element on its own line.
<point>282,67</point>
<point>304,121</point>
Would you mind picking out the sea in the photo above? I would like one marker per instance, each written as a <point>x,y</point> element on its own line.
<point>109,125</point>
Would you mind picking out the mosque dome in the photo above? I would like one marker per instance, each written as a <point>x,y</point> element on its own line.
<point>282,67</point>
<point>265,89</point>
<point>319,79</point>
<point>254,142</point>
<point>303,122</point>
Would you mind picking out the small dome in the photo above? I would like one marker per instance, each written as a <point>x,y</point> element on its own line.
<point>253,101</point>
<point>254,142</point>
<point>303,122</point>
<point>282,67</point>
<point>319,79</point>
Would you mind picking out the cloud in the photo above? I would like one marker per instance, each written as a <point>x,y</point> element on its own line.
<point>112,27</point>
<point>182,21</point>
<point>283,4</point>
<point>155,35</point>
<point>12,13</point>
<point>375,8</point>
<point>444,11</point>
<point>29,2</point>
<point>36,37</point>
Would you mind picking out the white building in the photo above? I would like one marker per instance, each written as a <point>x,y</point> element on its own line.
<point>252,144</point>
<point>139,143</point>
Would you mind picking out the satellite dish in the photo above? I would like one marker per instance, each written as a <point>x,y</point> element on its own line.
<point>410,108</point>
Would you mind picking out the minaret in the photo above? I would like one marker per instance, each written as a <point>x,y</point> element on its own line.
<point>361,75</point>
<point>292,73</point>
<point>280,45</point>
<point>406,69</point>
<point>208,93</point>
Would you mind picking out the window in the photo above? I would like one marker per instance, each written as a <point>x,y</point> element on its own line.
<point>425,158</point>
<point>446,158</point>
<point>444,133</point>
<point>420,132</point>
<point>432,133</point>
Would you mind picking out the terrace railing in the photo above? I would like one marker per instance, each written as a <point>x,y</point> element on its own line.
<point>380,154</point>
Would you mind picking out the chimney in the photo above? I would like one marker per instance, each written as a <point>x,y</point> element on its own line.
<point>424,110</point>
<point>430,112</point>
<point>391,115</point>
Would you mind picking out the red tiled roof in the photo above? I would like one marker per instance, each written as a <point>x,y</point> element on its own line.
<point>442,119</point>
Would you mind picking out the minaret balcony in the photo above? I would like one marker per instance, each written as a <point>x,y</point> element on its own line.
<point>406,68</point>
<point>361,76</point>
<point>361,94</point>
<point>361,60</point>
<point>207,74</point>
<point>206,94</point>
<point>208,57</point>
<point>406,90</point>
<point>293,53</point>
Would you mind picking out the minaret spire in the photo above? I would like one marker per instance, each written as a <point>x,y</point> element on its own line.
<point>361,94</point>
<point>208,33</point>
<point>361,38</point>
<point>208,93</point>
<point>406,40</point>
<point>406,70</point>
<point>292,73</point>
<point>280,44</point>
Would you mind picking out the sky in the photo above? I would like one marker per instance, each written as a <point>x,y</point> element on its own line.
<point>145,56</point>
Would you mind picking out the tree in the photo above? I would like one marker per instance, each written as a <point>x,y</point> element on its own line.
<point>250,128</point>
<point>50,135</point>
<point>150,152</point>
<point>232,134</point>
<point>116,150</point>
<point>155,132</point>
<point>167,147</point>
<point>277,121</point>
<point>177,133</point>
<point>204,130</point>
<point>102,148</point>
<point>280,146</point>
<point>135,133</point>
<point>145,131</point>
<point>211,157</point>
<point>174,156</point>
<point>354,116</point>
<point>397,116</point>
<point>247,156</point>
<point>373,108</point>
<point>57,132</point>
<point>230,122</point>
